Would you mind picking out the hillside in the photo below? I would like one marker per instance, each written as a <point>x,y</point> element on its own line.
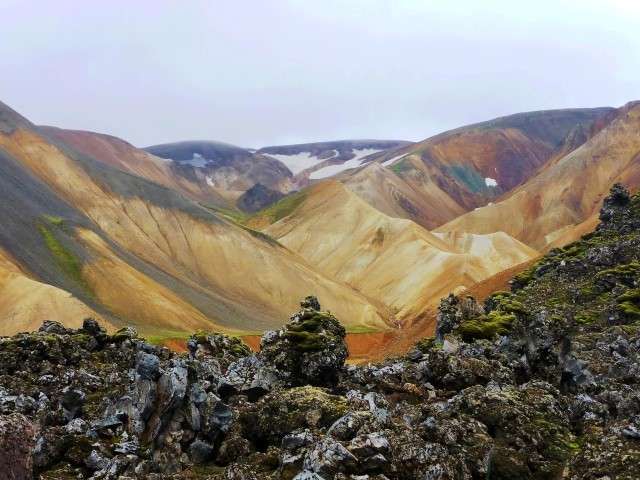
<point>138,253</point>
<point>392,260</point>
<point>471,166</point>
<point>554,203</point>
<point>191,181</point>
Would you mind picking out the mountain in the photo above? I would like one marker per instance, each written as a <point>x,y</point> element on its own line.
<point>314,161</point>
<point>139,253</point>
<point>192,182</point>
<point>227,166</point>
<point>561,201</point>
<point>393,260</point>
<point>468,167</point>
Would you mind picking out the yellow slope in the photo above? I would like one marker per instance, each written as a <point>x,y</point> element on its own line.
<point>393,260</point>
<point>26,302</point>
<point>209,255</point>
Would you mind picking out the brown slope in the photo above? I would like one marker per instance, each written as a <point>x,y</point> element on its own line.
<point>186,179</point>
<point>452,168</point>
<point>550,208</point>
<point>145,255</point>
<point>393,260</point>
<point>388,193</point>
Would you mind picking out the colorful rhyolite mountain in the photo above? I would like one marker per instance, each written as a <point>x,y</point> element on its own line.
<point>157,238</point>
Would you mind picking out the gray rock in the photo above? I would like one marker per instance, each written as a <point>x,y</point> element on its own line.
<point>307,475</point>
<point>172,387</point>
<point>631,432</point>
<point>144,397</point>
<point>329,457</point>
<point>96,461</point>
<point>71,401</point>
<point>297,440</point>
<point>77,426</point>
<point>201,451</point>
<point>148,366</point>
<point>369,445</point>
<point>215,417</point>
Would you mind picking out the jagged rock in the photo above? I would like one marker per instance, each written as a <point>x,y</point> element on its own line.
<point>71,401</point>
<point>311,303</point>
<point>447,318</point>
<point>369,444</point>
<point>95,461</point>
<point>148,366</point>
<point>248,376</point>
<point>329,457</point>
<point>144,397</point>
<point>172,387</point>
<point>17,442</point>
<point>50,326</point>
<point>307,475</point>
<point>215,417</point>
<point>233,447</point>
<point>311,350</point>
<point>201,451</point>
<point>76,426</point>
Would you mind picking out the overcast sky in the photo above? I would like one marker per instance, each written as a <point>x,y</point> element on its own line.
<point>267,72</point>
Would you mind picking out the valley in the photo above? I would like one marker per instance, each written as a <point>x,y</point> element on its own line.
<point>203,235</point>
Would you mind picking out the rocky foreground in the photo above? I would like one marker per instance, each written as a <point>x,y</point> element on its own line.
<point>540,382</point>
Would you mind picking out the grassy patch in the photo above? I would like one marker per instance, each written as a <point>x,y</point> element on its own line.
<point>57,222</point>
<point>238,219</point>
<point>401,167</point>
<point>282,208</point>
<point>67,260</point>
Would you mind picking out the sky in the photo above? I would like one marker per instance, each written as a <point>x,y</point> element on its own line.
<point>270,72</point>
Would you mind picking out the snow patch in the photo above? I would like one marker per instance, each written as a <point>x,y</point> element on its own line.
<point>490,182</point>
<point>210,181</point>
<point>387,163</point>
<point>197,161</point>
<point>298,162</point>
<point>348,165</point>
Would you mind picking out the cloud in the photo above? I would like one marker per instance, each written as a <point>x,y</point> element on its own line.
<point>255,73</point>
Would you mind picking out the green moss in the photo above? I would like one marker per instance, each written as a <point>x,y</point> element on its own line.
<point>427,344</point>
<point>67,260</point>
<point>57,222</point>
<point>282,208</point>
<point>627,270</point>
<point>305,341</point>
<point>400,167</point>
<point>486,326</point>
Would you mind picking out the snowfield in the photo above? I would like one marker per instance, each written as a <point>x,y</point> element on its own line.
<point>348,165</point>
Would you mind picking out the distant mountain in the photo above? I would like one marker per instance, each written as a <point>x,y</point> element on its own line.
<point>471,166</point>
<point>227,166</point>
<point>561,201</point>
<point>186,179</point>
<point>315,161</point>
